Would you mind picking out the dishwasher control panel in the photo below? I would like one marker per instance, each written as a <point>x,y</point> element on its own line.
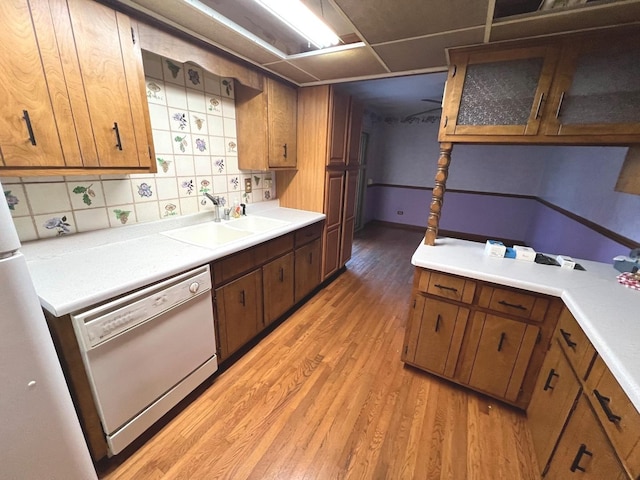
<point>106,321</point>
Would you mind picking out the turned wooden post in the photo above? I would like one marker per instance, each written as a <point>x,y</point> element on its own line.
<point>438,193</point>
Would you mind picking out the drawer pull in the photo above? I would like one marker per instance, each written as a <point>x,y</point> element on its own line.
<point>567,338</point>
<point>118,141</point>
<point>511,305</point>
<point>604,404</point>
<point>576,461</point>
<point>25,116</point>
<point>547,384</point>
<point>444,287</point>
<point>438,323</point>
<point>503,336</point>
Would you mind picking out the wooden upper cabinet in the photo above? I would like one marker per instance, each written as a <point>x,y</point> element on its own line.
<point>355,131</point>
<point>338,134</point>
<point>597,90</point>
<point>571,89</point>
<point>266,123</point>
<point>74,91</point>
<point>500,92</point>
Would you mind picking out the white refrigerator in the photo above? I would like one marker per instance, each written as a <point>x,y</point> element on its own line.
<point>40,436</point>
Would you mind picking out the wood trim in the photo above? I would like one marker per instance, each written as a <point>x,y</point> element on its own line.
<point>627,242</point>
<point>629,179</point>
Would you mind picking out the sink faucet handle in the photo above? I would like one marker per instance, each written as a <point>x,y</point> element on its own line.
<point>244,209</point>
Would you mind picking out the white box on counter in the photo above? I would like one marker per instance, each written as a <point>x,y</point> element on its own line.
<point>525,253</point>
<point>565,262</point>
<point>494,248</point>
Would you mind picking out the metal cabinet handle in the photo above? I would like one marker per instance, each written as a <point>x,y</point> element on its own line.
<point>560,105</point>
<point>512,305</point>
<point>604,404</point>
<point>567,338</point>
<point>281,274</point>
<point>25,116</point>
<point>575,465</point>
<point>444,287</point>
<point>310,258</point>
<point>242,299</point>
<point>438,322</point>
<point>539,105</point>
<point>503,336</point>
<point>118,141</point>
<point>285,150</point>
<point>547,384</point>
<point>446,121</point>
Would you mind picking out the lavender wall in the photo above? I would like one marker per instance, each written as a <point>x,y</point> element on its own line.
<point>580,180</point>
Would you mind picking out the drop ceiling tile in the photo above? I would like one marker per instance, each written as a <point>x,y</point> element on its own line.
<point>556,22</point>
<point>351,63</point>
<point>290,72</point>
<point>382,20</point>
<point>193,19</point>
<point>426,52</point>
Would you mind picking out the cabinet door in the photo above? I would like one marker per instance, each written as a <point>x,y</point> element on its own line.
<point>331,252</point>
<point>109,61</point>
<point>575,343</point>
<point>277,277</point>
<point>439,332</point>
<point>351,188</point>
<point>338,122</point>
<point>583,451</point>
<point>334,189</point>
<point>498,92</point>
<point>503,350</point>
<point>597,91</point>
<point>553,397</point>
<point>307,269</point>
<point>239,311</point>
<point>355,130</point>
<point>282,104</point>
<point>28,132</point>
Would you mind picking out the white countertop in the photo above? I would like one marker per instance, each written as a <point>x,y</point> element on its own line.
<point>608,312</point>
<point>74,272</point>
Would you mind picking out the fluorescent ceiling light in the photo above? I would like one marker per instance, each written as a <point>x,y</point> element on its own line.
<point>299,18</point>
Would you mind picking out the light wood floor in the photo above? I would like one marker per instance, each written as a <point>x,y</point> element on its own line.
<point>325,396</point>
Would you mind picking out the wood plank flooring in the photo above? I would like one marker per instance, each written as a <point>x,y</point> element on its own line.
<point>325,396</point>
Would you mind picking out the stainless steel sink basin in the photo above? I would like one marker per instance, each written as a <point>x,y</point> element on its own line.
<point>256,224</point>
<point>207,234</point>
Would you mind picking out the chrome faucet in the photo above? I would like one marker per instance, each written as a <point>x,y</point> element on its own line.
<point>216,203</point>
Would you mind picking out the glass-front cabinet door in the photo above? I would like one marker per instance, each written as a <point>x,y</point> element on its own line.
<point>498,92</point>
<point>597,91</point>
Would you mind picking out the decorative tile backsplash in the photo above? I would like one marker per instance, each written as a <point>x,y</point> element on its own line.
<point>193,120</point>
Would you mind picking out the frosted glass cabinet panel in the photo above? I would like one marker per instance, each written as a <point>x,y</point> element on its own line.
<point>499,92</point>
<point>599,89</point>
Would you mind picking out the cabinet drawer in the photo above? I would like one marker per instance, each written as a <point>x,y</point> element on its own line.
<point>575,344</point>
<point>276,247</point>
<point>446,286</point>
<point>307,234</point>
<point>230,267</point>
<point>617,414</point>
<point>518,304</point>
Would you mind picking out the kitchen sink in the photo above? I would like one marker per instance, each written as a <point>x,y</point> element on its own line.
<point>256,224</point>
<point>207,234</point>
<point>211,234</point>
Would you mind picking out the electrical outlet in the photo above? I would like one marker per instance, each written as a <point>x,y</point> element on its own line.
<point>247,185</point>
<point>400,212</point>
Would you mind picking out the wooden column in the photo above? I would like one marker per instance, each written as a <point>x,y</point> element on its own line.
<point>438,193</point>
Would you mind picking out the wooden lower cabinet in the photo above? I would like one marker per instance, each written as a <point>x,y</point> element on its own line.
<point>584,452</point>
<point>277,278</point>
<point>239,312</point>
<point>553,398</point>
<point>504,348</point>
<point>307,269</point>
<point>436,335</point>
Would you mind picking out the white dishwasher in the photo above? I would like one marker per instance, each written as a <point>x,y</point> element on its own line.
<point>146,351</point>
